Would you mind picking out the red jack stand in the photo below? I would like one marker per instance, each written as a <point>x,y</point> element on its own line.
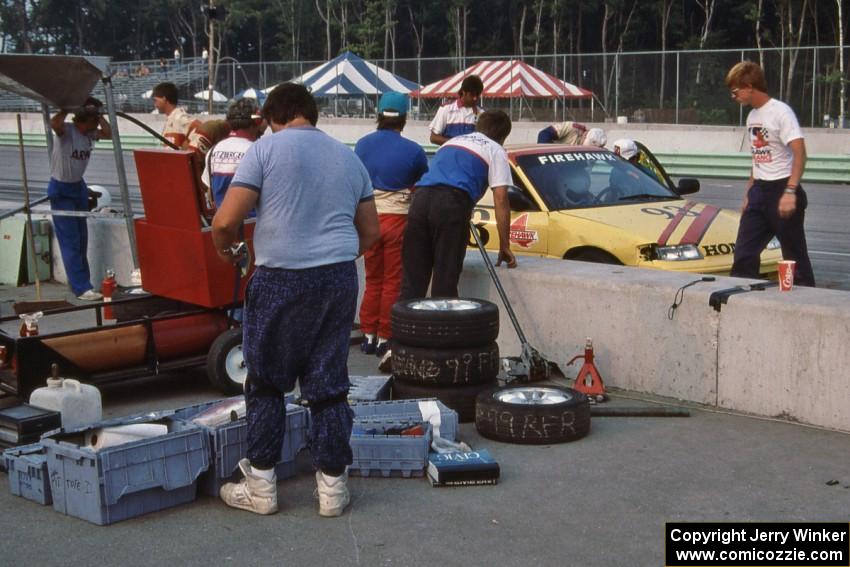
<point>595,389</point>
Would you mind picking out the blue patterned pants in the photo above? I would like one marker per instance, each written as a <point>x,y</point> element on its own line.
<point>297,327</point>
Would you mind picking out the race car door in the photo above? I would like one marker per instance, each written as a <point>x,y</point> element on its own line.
<point>529,232</point>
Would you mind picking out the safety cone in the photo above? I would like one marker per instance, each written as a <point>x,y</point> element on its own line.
<point>588,380</point>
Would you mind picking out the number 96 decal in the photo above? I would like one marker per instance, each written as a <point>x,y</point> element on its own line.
<point>669,211</point>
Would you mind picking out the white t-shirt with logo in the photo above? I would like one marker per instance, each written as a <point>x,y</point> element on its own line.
<point>71,153</point>
<point>770,128</point>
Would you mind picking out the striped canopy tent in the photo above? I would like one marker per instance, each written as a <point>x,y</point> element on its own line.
<point>349,74</point>
<point>507,79</point>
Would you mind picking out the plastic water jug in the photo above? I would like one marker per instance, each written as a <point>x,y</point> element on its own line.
<point>78,403</point>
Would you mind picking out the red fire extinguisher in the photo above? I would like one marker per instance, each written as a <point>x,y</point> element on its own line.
<point>107,287</point>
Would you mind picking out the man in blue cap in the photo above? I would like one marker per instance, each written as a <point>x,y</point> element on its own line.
<point>394,164</point>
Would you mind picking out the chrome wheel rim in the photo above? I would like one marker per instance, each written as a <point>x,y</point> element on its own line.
<point>444,305</point>
<point>532,396</point>
<point>234,365</point>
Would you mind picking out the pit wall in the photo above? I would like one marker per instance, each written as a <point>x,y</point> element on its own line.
<point>766,353</point>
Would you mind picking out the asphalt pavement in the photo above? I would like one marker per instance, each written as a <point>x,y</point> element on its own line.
<point>602,500</point>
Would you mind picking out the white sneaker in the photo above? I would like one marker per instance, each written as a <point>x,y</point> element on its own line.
<point>90,295</point>
<point>386,364</point>
<point>333,493</point>
<point>252,493</point>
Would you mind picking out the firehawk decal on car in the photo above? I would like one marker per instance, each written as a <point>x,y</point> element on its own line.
<point>519,233</point>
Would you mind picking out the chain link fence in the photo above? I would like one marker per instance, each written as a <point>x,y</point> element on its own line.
<point>674,87</point>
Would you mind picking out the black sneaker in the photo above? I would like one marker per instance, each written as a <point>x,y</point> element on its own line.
<point>368,346</point>
<point>382,349</point>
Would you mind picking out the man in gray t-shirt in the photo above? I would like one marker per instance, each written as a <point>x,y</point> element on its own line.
<point>315,216</point>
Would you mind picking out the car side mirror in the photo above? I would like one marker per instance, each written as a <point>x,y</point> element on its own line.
<point>687,186</point>
<point>519,201</point>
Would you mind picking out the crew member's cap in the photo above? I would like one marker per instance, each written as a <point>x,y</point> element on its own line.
<point>595,137</point>
<point>243,109</point>
<point>393,104</point>
<point>625,148</point>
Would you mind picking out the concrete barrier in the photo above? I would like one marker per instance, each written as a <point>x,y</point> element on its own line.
<point>767,353</point>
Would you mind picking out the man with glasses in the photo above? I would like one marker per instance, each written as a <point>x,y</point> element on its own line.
<point>775,203</point>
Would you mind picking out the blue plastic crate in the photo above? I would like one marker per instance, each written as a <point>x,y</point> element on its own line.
<point>419,410</point>
<point>379,454</point>
<point>27,470</point>
<point>228,444</point>
<point>125,481</point>
<point>369,388</point>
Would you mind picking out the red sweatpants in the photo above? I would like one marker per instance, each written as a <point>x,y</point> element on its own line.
<point>383,276</point>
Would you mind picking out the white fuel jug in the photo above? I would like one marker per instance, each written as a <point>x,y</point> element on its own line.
<point>78,403</point>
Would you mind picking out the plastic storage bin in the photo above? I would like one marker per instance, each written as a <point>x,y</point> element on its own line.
<point>228,444</point>
<point>378,453</point>
<point>125,481</point>
<point>417,410</point>
<point>27,470</point>
<point>369,388</point>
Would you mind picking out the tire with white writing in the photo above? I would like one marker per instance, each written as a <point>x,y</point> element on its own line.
<point>445,322</point>
<point>446,367</point>
<point>532,415</point>
<point>460,398</point>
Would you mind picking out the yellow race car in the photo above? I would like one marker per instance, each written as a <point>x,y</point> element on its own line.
<point>586,203</point>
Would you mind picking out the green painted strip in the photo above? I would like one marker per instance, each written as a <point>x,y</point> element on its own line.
<point>819,168</point>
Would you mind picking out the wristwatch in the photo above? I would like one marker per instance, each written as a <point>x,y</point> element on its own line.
<point>791,190</point>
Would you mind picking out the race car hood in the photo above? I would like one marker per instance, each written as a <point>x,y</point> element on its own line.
<point>667,223</point>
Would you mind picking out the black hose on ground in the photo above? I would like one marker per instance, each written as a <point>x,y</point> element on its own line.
<point>149,130</point>
<point>603,411</point>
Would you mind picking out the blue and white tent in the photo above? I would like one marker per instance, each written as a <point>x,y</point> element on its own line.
<point>349,74</point>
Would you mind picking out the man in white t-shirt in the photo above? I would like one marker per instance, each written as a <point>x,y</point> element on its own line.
<point>67,190</point>
<point>437,230</point>
<point>459,116</point>
<point>178,124</point>
<point>775,202</point>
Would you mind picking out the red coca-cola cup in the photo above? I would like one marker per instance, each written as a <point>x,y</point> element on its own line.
<point>786,274</point>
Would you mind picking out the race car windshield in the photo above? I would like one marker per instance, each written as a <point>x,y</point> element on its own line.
<point>576,180</point>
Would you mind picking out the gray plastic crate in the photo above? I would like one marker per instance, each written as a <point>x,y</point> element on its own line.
<point>228,444</point>
<point>379,454</point>
<point>125,481</point>
<point>369,388</point>
<point>27,470</point>
<point>408,410</point>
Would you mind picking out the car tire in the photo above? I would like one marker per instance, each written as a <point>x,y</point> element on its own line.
<point>517,414</point>
<point>445,322</point>
<point>150,306</point>
<point>226,364</point>
<point>446,367</point>
<point>460,398</point>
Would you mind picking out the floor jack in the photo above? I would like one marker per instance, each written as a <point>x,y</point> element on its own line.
<point>530,366</point>
<point>588,380</point>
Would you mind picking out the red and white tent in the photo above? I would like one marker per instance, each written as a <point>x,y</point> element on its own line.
<point>506,79</point>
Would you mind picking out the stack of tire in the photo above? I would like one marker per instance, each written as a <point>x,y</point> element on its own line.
<point>445,349</point>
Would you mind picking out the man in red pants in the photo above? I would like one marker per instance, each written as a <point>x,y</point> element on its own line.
<point>394,164</point>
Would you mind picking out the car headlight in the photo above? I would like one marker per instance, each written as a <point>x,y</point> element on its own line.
<point>774,244</point>
<point>677,253</point>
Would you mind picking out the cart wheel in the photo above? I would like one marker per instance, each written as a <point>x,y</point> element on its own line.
<point>533,415</point>
<point>225,364</point>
